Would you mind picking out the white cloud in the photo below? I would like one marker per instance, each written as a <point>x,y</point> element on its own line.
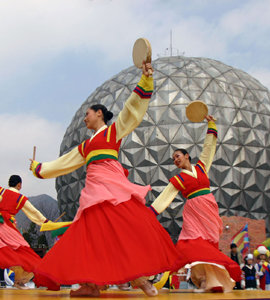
<point>43,30</point>
<point>253,18</point>
<point>19,133</point>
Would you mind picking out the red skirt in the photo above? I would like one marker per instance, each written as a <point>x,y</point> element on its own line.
<point>23,256</point>
<point>200,250</point>
<point>109,244</point>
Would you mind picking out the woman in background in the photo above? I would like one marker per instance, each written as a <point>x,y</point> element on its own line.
<point>211,270</point>
<point>15,252</point>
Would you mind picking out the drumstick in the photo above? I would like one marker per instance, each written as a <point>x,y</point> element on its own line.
<point>34,152</point>
<point>60,216</point>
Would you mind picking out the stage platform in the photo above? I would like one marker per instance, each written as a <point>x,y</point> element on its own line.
<point>38,294</point>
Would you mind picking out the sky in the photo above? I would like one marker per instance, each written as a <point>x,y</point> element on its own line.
<point>55,53</point>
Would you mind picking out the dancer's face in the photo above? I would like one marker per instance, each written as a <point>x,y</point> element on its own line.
<point>91,118</point>
<point>181,160</point>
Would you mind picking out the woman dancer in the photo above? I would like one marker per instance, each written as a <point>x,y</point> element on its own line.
<point>114,238</point>
<point>15,252</point>
<point>198,242</point>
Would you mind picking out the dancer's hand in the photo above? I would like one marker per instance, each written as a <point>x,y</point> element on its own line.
<point>146,67</point>
<point>30,168</point>
<point>210,118</point>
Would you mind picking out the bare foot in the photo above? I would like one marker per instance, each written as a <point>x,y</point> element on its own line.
<point>202,287</point>
<point>20,286</point>
<point>146,286</point>
<point>124,286</point>
<point>89,290</point>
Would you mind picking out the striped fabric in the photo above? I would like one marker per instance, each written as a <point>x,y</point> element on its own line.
<point>82,148</point>
<point>212,131</point>
<point>101,154</point>
<point>201,167</point>
<point>19,200</point>
<point>109,134</point>
<point>144,94</point>
<point>199,192</point>
<point>179,179</point>
<point>2,191</point>
<point>37,171</point>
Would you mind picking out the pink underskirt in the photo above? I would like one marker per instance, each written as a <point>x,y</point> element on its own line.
<point>201,219</point>
<point>11,238</point>
<point>106,181</point>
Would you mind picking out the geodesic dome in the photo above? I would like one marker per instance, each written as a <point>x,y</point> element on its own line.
<point>240,172</point>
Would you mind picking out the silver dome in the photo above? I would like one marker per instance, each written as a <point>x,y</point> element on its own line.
<point>240,172</point>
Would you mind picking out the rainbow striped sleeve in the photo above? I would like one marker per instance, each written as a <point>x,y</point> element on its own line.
<point>36,169</point>
<point>144,88</point>
<point>212,128</point>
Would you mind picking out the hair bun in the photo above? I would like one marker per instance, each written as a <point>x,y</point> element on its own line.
<point>108,115</point>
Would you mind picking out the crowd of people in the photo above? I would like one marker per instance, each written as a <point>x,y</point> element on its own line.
<point>255,268</point>
<point>115,238</point>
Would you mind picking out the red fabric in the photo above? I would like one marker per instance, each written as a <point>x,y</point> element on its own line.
<point>262,282</point>
<point>204,251</point>
<point>10,201</point>
<point>191,183</point>
<point>109,245</point>
<point>100,142</point>
<point>175,283</point>
<point>23,256</point>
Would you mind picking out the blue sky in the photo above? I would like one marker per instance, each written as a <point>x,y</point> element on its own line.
<point>55,53</point>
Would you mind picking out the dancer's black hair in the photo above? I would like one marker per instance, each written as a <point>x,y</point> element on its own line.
<point>107,115</point>
<point>184,151</point>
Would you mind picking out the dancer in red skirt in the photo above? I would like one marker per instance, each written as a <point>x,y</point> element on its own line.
<point>114,238</point>
<point>211,270</point>
<point>15,252</point>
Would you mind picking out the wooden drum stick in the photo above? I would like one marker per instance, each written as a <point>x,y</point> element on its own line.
<point>60,216</point>
<point>34,152</point>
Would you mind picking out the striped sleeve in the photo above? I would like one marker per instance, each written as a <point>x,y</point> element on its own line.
<point>135,108</point>
<point>65,164</point>
<point>209,146</point>
<point>144,88</point>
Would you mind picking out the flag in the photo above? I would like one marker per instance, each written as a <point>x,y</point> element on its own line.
<point>241,240</point>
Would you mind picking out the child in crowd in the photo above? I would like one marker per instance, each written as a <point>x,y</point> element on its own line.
<point>262,266</point>
<point>250,279</point>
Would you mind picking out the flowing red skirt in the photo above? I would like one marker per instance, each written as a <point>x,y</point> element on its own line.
<point>200,250</point>
<point>23,256</point>
<point>26,258</point>
<point>109,245</point>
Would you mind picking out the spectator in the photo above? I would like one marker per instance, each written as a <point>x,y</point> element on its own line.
<point>250,275</point>
<point>237,257</point>
<point>262,266</point>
